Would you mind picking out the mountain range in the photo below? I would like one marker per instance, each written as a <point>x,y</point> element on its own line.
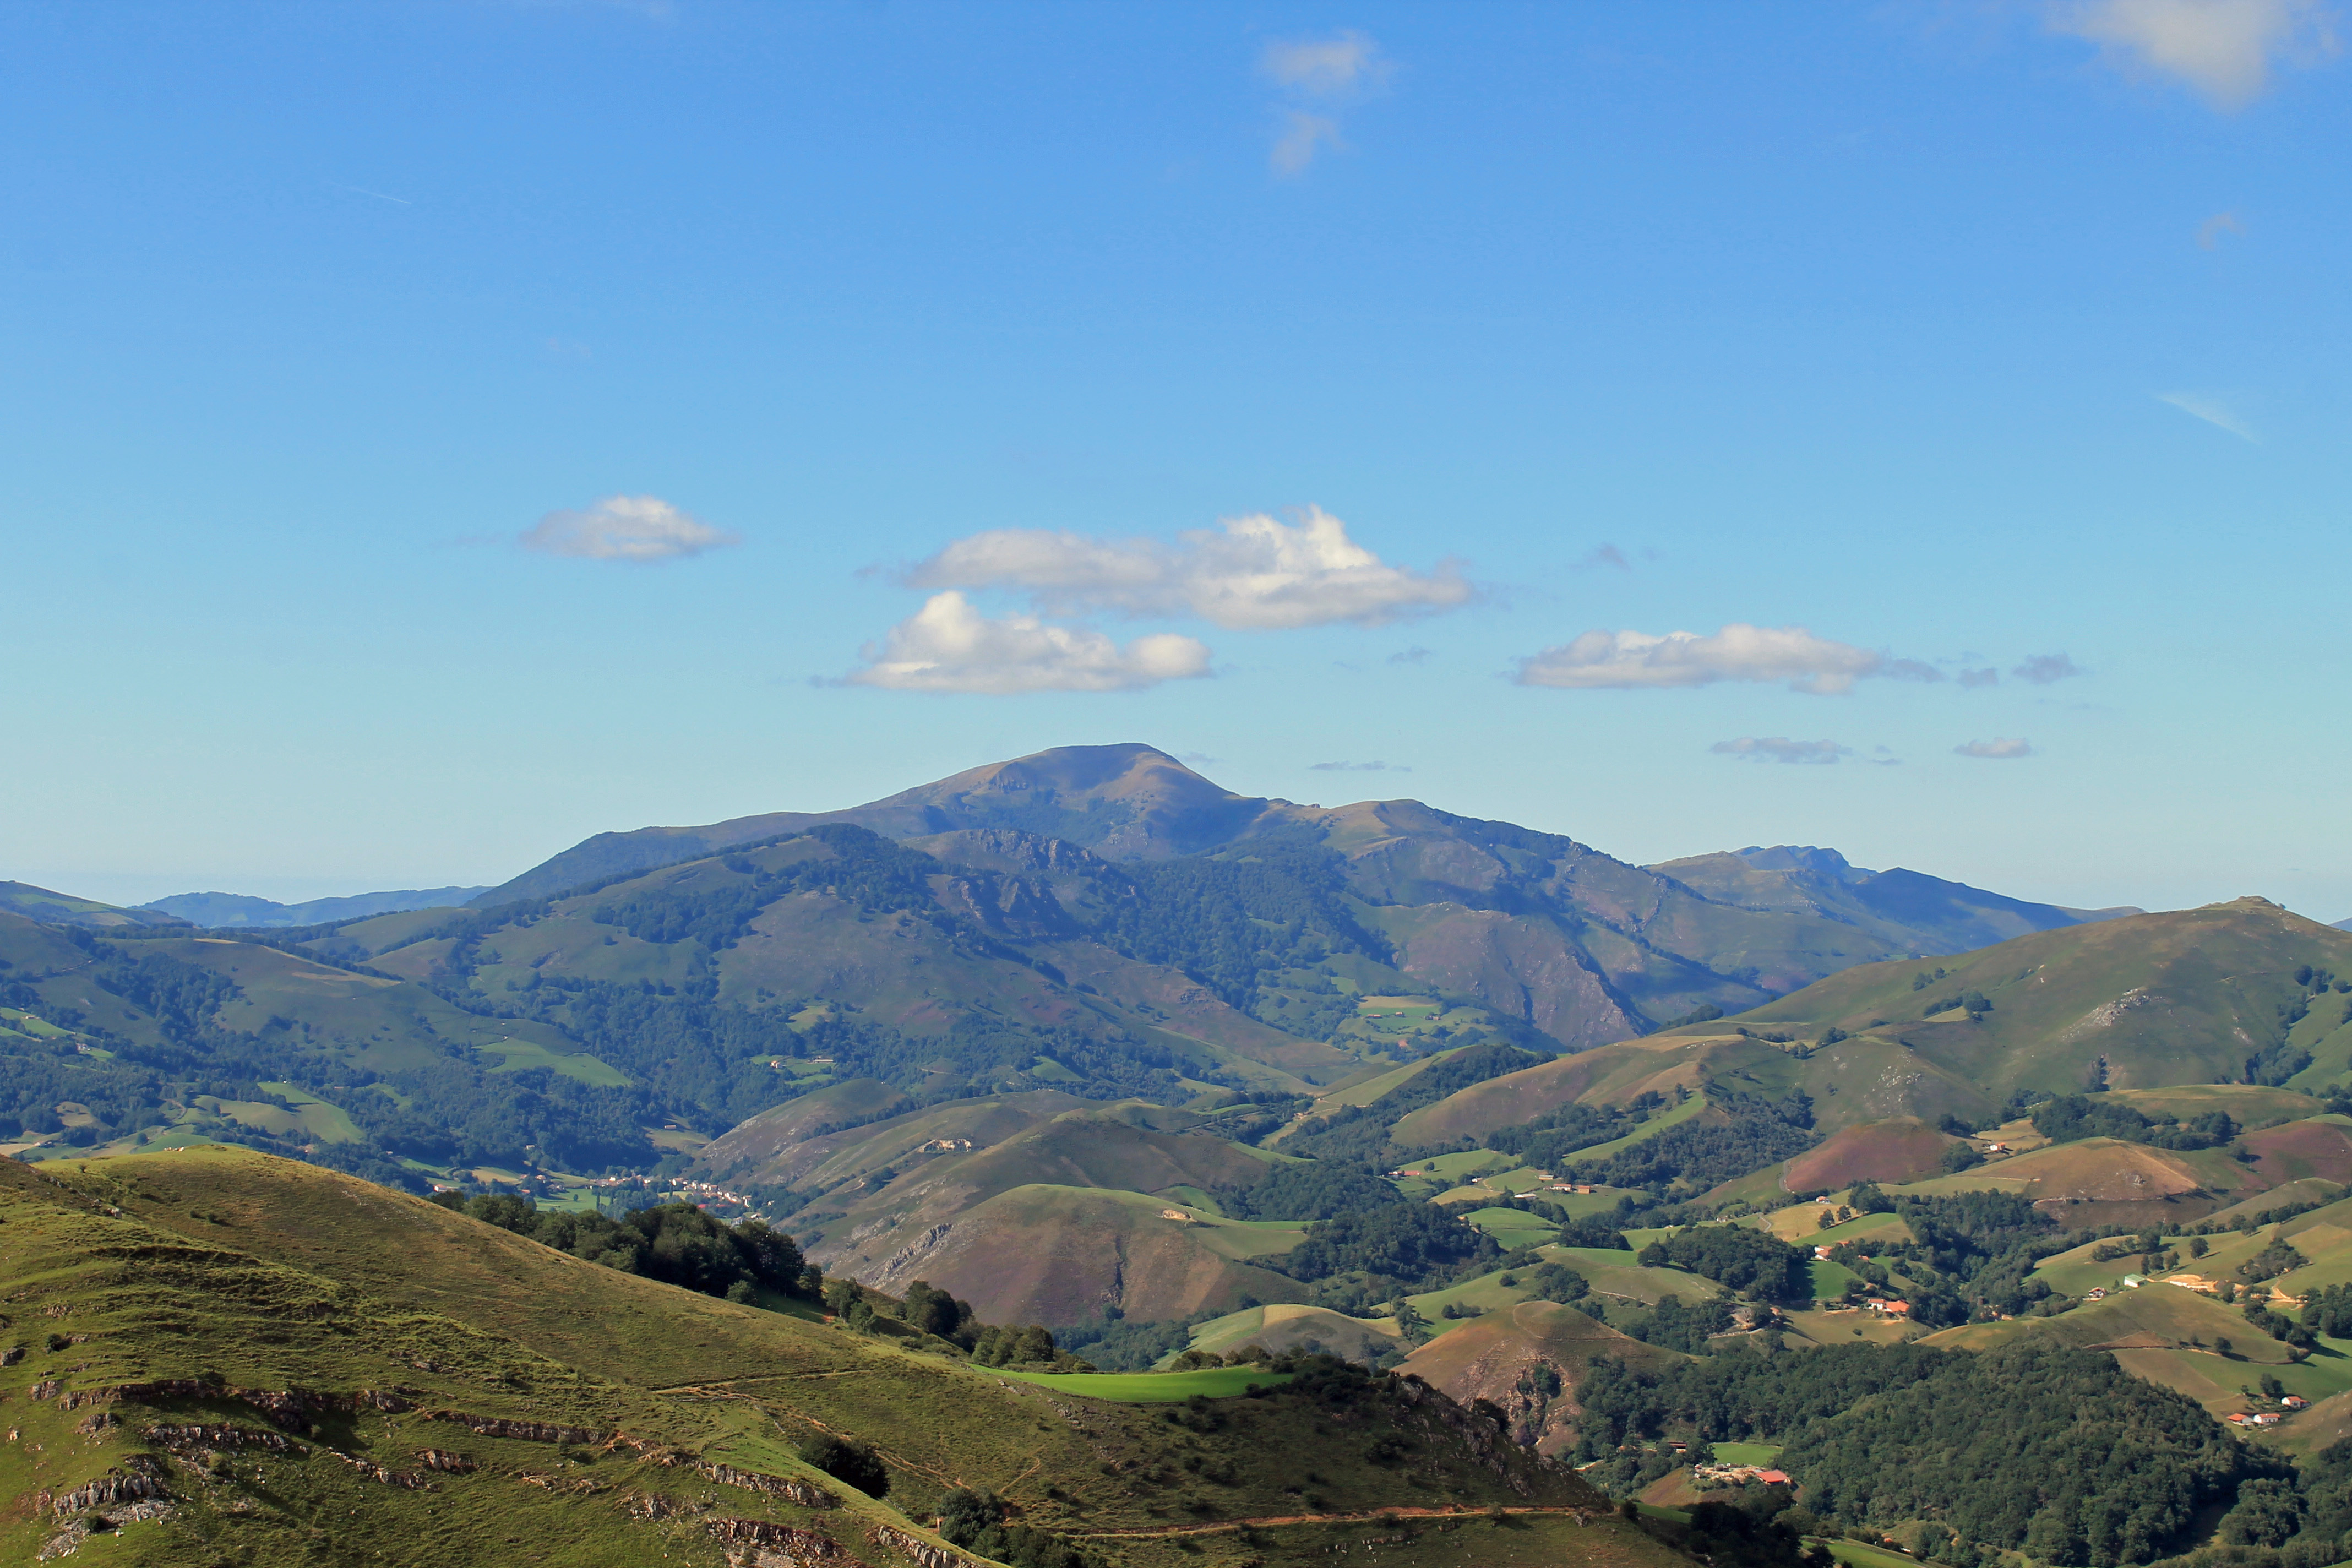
<point>1085,1042</point>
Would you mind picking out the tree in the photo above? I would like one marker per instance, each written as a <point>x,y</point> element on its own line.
<point>848,1461</point>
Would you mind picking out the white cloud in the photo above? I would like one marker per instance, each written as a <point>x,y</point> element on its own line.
<point>2222,48</point>
<point>2212,410</point>
<point>1302,134</point>
<point>1780,749</point>
<point>1326,67</point>
<point>1320,71</point>
<point>1357,768</point>
<point>625,528</point>
<point>2043,669</point>
<point>1258,574</point>
<point>1631,660</point>
<point>948,645</point>
<point>1999,750</point>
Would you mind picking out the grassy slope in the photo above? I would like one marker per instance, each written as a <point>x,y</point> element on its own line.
<point>1900,1148</point>
<point>1062,1254</point>
<point>1492,1358</point>
<point>527,1332</point>
<point>1286,1326</point>
<point>2162,997</point>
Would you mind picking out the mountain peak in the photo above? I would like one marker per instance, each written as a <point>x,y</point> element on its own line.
<point>1125,802</point>
<point>1803,857</point>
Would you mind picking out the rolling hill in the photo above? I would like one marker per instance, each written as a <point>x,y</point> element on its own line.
<point>218,911</point>
<point>245,1356</point>
<point>63,909</point>
<point>2231,993</point>
<point>1526,1359</point>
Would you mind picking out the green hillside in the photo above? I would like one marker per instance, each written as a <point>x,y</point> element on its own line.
<point>468,1397</point>
<point>63,909</point>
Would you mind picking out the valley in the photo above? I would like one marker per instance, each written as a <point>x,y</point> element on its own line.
<point>1165,1092</point>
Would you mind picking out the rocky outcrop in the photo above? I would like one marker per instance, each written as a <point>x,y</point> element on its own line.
<point>521,1431</point>
<point>921,1550</point>
<point>778,1545</point>
<point>804,1494</point>
<point>112,1488</point>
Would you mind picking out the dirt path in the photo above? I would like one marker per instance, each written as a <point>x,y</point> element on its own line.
<point>1372,1516</point>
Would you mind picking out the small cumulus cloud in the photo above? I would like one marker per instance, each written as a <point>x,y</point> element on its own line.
<point>1259,574</point>
<point>1601,660</point>
<point>2211,409</point>
<point>2045,669</point>
<point>1972,679</point>
<point>2223,50</point>
<point>1315,75</point>
<point>625,528</point>
<point>1781,749</point>
<point>1358,768</point>
<point>1411,656</point>
<point>1198,759</point>
<point>948,645</point>
<point>1603,555</point>
<point>2209,232</point>
<point>1998,750</point>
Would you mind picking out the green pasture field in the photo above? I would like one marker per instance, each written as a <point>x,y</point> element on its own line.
<point>1761,1454</point>
<point>1855,1555</point>
<point>1151,1387</point>
<point>1830,1279</point>
<point>520,1055</point>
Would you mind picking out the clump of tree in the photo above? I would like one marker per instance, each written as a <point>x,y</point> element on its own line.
<point>2029,1446</point>
<point>1408,1245</point>
<point>1677,1327</point>
<point>676,1244</point>
<point>848,1461</point>
<point>1310,1190</point>
<point>2070,1117</point>
<point>1704,1152</point>
<point>979,1521</point>
<point>1738,1258</point>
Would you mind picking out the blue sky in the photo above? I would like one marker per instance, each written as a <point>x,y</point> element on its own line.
<point>1289,385</point>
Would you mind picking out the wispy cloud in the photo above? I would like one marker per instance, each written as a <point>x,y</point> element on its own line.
<point>1317,75</point>
<point>1326,67</point>
<point>1997,751</point>
<point>2211,409</point>
<point>641,529</point>
<point>2209,232</point>
<point>1357,768</point>
<point>1198,759</point>
<point>2044,668</point>
<point>1258,574</point>
<point>1781,749</point>
<point>2223,50</point>
<point>1972,679</point>
<point>1302,134</point>
<point>1411,656</point>
<point>1638,660</point>
<point>948,645</point>
<point>1603,555</point>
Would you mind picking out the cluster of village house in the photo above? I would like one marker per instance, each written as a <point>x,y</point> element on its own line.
<point>2291,1402</point>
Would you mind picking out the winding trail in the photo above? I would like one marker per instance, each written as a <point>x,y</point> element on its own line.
<point>1372,1516</point>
